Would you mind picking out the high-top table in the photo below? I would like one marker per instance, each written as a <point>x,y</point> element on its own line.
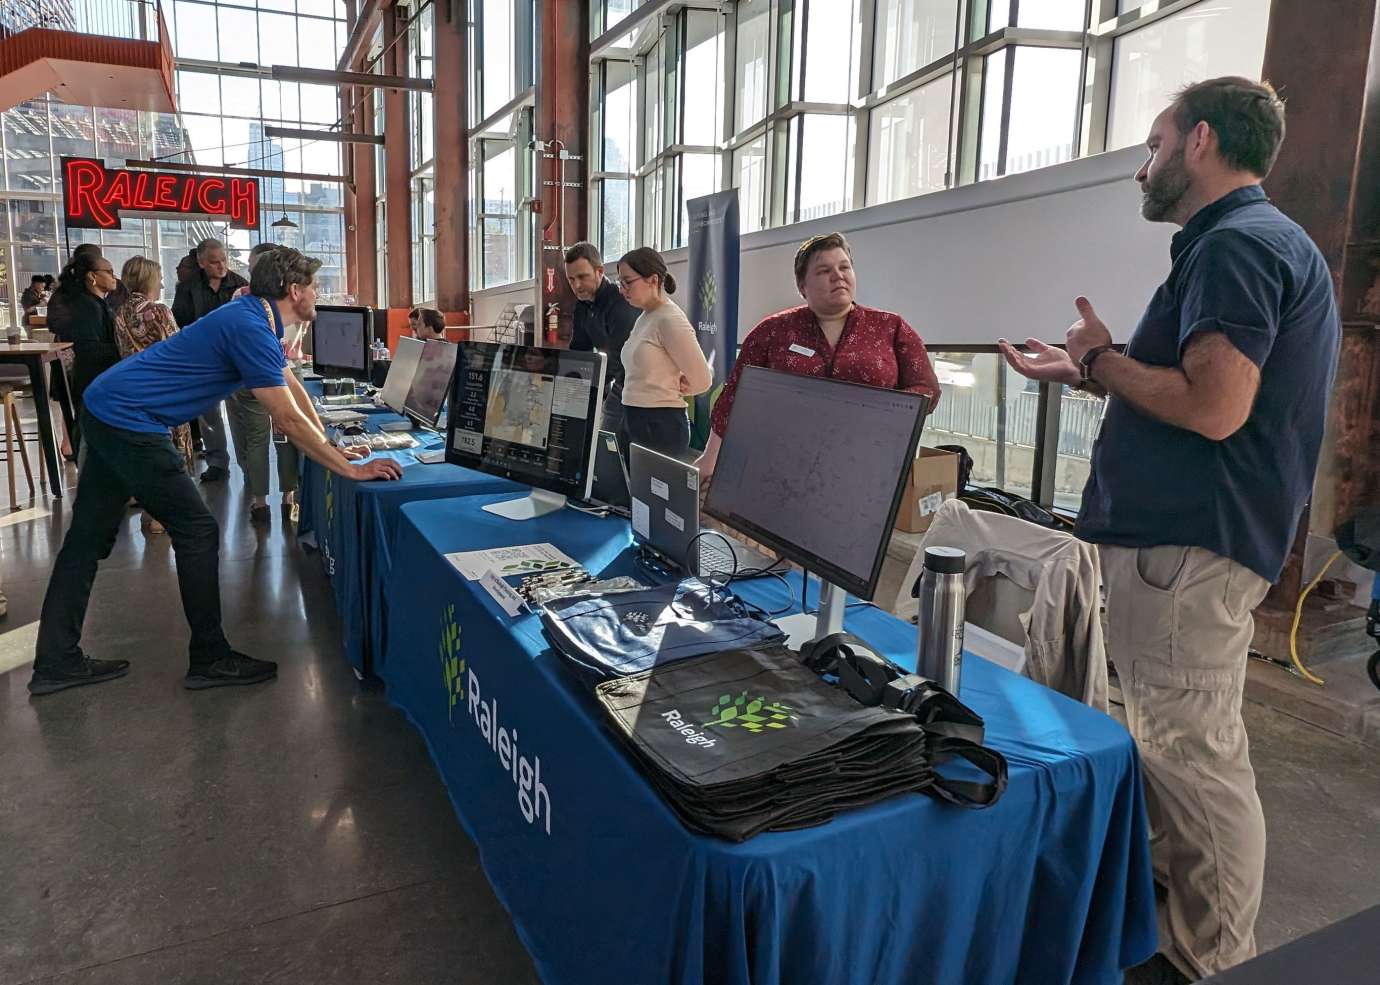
<point>35,355</point>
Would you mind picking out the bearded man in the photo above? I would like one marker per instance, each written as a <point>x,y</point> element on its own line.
<point>1204,465</point>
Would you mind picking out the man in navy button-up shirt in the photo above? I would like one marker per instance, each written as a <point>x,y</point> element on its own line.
<point>1205,461</point>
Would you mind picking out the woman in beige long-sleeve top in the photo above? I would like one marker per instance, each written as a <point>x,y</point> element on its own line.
<point>662,359</point>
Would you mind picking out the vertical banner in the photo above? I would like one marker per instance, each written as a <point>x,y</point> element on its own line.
<point>713,285</point>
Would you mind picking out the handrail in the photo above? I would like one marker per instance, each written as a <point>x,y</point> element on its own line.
<point>138,20</point>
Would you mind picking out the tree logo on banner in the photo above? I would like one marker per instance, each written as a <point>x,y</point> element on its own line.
<point>452,667</point>
<point>755,715</point>
<point>707,290</point>
<point>330,497</point>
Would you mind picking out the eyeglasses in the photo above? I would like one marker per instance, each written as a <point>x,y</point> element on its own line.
<point>629,281</point>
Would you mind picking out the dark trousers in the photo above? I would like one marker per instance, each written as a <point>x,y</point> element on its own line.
<point>663,429</point>
<point>117,464</point>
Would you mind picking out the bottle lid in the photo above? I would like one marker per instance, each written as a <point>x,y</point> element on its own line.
<point>945,560</point>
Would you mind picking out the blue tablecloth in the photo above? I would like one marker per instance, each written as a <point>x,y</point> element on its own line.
<point>1051,885</point>
<point>353,525</point>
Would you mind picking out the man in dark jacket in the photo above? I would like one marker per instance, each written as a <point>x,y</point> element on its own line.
<point>204,283</point>
<point>603,321</point>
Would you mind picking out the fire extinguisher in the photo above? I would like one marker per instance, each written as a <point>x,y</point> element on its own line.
<point>553,322</point>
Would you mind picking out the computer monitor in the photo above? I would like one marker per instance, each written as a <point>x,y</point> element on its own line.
<point>814,469</point>
<point>341,338</point>
<point>528,414</point>
<point>400,372</point>
<point>431,381</point>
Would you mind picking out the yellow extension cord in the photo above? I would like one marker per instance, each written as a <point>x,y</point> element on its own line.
<point>1298,617</point>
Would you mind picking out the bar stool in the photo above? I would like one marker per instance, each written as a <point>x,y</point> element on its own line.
<point>14,432</point>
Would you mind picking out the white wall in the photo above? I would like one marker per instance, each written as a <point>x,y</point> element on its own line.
<point>999,258</point>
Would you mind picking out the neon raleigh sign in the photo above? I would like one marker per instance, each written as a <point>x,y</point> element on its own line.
<point>94,196</point>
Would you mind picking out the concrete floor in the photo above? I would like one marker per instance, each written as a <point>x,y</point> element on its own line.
<point>296,831</point>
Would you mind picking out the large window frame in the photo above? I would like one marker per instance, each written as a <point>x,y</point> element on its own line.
<point>992,47</point>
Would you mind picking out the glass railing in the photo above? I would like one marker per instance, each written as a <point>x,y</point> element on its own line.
<point>133,19</point>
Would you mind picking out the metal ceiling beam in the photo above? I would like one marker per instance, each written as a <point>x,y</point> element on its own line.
<point>325,76</point>
<point>243,172</point>
<point>336,136</point>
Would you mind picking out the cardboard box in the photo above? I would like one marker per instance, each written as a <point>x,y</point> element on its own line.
<point>933,480</point>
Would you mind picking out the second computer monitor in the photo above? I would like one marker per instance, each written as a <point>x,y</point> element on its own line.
<point>431,381</point>
<point>815,468</point>
<point>528,414</point>
<point>341,337</point>
<point>401,370</point>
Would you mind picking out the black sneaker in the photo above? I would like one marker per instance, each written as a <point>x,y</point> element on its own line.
<point>1159,970</point>
<point>87,671</point>
<point>214,473</point>
<point>236,668</point>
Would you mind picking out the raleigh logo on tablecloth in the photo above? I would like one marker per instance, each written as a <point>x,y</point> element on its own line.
<point>452,667</point>
<point>533,799</point>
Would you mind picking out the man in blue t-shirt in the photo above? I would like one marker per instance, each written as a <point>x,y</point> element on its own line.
<point>1204,464</point>
<point>129,452</point>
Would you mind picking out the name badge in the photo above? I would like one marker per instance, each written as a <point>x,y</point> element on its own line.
<point>800,350</point>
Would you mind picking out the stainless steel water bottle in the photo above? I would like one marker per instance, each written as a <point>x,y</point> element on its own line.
<point>940,637</point>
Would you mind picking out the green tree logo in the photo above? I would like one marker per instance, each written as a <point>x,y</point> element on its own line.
<point>755,715</point>
<point>452,667</point>
<point>330,499</point>
<point>708,292</point>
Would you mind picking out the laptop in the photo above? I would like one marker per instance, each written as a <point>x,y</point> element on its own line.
<point>665,505</point>
<point>400,373</point>
<point>610,476</point>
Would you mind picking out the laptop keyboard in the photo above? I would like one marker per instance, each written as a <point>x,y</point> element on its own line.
<point>716,559</point>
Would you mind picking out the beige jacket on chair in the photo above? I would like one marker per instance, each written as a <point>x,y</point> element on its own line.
<point>1036,587</point>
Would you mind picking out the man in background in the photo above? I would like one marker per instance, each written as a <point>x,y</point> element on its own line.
<point>1204,464</point>
<point>603,322</point>
<point>427,323</point>
<point>204,283</point>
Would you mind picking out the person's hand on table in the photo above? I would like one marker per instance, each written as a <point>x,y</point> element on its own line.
<point>377,468</point>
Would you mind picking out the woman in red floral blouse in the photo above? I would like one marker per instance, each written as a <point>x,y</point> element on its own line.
<point>829,335</point>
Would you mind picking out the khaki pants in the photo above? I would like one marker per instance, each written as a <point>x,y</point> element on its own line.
<point>252,431</point>
<point>1179,625</point>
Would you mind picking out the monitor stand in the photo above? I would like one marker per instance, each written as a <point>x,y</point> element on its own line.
<point>538,503</point>
<point>803,628</point>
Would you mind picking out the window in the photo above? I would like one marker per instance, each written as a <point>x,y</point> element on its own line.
<point>830,63</point>
<point>750,178</point>
<point>651,192</point>
<point>910,35</point>
<point>699,175</point>
<point>653,103</point>
<point>1223,37</point>
<point>619,117</point>
<point>990,410</point>
<point>821,172</point>
<point>703,83</point>
<point>1044,108</point>
<point>993,92</point>
<point>754,37</point>
<point>909,143</point>
<point>616,216</point>
<point>498,78</point>
<point>1051,15</point>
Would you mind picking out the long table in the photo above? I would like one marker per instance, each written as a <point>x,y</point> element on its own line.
<point>353,525</point>
<point>1051,885</point>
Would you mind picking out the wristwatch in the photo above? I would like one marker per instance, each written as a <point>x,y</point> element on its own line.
<point>1085,365</point>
